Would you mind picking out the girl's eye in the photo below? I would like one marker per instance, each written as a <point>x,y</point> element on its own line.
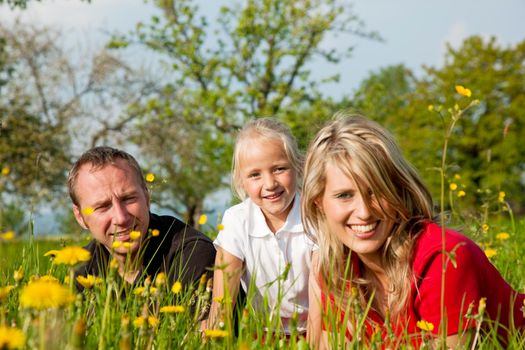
<point>253,175</point>
<point>280,169</point>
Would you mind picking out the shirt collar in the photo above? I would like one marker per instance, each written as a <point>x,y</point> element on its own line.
<point>260,227</point>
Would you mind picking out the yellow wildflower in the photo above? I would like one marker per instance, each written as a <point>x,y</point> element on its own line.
<point>461,193</point>
<point>177,286</point>
<point>138,322</point>
<point>485,227</point>
<point>502,236</point>
<point>7,236</point>
<point>219,299</point>
<point>150,177</point>
<point>453,186</point>
<point>87,211</point>
<point>430,108</point>
<point>45,278</point>
<point>172,309</point>
<point>501,196</point>
<point>126,245</point>
<point>113,264</point>
<point>424,325</point>
<point>89,281</point>
<point>6,170</point>
<point>69,255</point>
<point>216,333</point>
<point>155,232</point>
<point>203,219</point>
<point>160,280</point>
<point>116,244</point>
<point>42,295</point>
<point>153,321</point>
<point>11,338</point>
<point>489,252</point>
<point>457,176</point>
<point>134,235</point>
<point>18,274</point>
<point>463,91</point>
<point>220,227</point>
<point>139,291</point>
<point>4,292</point>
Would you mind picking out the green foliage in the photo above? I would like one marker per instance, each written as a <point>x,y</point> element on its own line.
<point>485,149</point>
<point>255,62</point>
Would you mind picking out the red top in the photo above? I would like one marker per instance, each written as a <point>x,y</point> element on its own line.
<point>473,278</point>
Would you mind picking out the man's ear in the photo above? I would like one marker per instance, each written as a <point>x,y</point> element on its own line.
<point>79,217</point>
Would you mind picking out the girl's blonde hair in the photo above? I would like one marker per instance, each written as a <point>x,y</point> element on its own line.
<point>368,154</point>
<point>268,129</point>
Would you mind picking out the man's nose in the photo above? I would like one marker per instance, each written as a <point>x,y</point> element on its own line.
<point>120,214</point>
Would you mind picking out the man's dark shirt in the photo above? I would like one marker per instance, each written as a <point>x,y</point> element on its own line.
<point>180,251</point>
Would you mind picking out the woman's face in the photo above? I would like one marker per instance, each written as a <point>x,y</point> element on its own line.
<point>348,217</point>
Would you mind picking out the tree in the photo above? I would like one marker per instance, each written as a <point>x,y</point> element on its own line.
<point>485,149</point>
<point>256,63</point>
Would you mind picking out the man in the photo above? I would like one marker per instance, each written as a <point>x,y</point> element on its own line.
<point>111,200</point>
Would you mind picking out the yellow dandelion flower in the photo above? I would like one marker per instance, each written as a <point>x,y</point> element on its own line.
<point>126,245</point>
<point>501,196</point>
<point>502,236</point>
<point>160,280</point>
<point>424,325</point>
<point>134,235</point>
<point>150,177</point>
<point>87,211</point>
<point>216,333</point>
<point>43,295</point>
<point>461,193</point>
<point>89,281</point>
<point>11,338</point>
<point>4,292</point>
<point>453,186</point>
<point>138,322</point>
<point>485,227</point>
<point>7,236</point>
<point>153,321</point>
<point>6,170</point>
<point>172,309</point>
<point>489,252</point>
<point>457,176</point>
<point>116,244</point>
<point>139,291</point>
<point>155,232</point>
<point>463,91</point>
<point>220,227</point>
<point>176,288</point>
<point>430,108</point>
<point>203,219</point>
<point>69,255</point>
<point>44,278</point>
<point>18,275</point>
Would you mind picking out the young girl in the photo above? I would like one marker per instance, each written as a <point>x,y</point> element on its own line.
<point>263,236</point>
<point>380,253</point>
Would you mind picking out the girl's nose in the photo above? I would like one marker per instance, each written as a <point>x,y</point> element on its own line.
<point>269,182</point>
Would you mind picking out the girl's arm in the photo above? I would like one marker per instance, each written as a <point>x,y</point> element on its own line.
<point>226,279</point>
<point>315,334</point>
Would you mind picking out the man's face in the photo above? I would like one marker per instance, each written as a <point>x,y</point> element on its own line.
<point>112,203</point>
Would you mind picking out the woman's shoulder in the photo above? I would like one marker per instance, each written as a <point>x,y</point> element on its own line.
<point>430,243</point>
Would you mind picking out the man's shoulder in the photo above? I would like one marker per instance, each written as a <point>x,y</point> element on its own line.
<point>172,228</point>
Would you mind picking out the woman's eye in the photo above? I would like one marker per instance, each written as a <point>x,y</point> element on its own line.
<point>344,195</point>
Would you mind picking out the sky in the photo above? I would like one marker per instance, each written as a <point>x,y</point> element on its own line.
<point>415,32</point>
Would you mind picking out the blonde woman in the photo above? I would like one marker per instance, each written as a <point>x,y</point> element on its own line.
<point>380,253</point>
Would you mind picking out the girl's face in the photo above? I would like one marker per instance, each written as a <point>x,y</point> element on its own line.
<point>348,217</point>
<point>268,179</point>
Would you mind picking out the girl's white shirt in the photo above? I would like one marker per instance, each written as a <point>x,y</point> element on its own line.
<point>266,255</point>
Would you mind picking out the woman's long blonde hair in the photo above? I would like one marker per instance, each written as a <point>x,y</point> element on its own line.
<point>367,153</point>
